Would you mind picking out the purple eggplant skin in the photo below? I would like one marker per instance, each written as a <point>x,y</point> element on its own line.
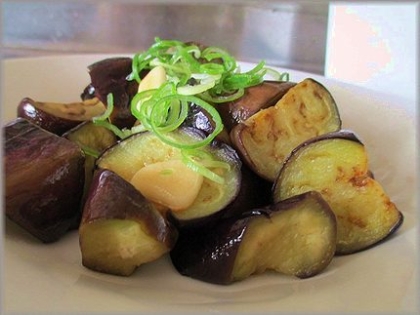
<point>28,109</point>
<point>120,230</point>
<point>110,76</point>
<point>366,215</point>
<point>226,153</point>
<point>129,155</point>
<point>112,197</point>
<point>255,192</point>
<point>210,254</point>
<point>44,179</point>
<point>255,98</point>
<point>199,119</point>
<point>59,118</point>
<point>88,92</point>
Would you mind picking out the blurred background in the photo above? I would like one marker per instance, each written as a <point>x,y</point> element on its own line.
<point>290,34</point>
<point>371,44</point>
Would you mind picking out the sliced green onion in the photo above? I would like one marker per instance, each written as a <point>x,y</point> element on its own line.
<point>211,53</point>
<point>113,128</point>
<point>201,162</point>
<point>195,89</point>
<point>103,120</point>
<point>172,139</point>
<point>212,68</point>
<point>135,74</point>
<point>89,151</point>
<point>109,108</point>
<point>163,110</point>
<point>194,76</point>
<point>184,62</point>
<point>222,98</point>
<point>285,76</point>
<point>170,115</point>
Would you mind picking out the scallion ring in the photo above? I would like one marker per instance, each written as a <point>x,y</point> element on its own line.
<point>194,160</point>
<point>171,139</point>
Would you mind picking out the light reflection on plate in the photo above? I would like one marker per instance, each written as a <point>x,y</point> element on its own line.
<point>40,278</point>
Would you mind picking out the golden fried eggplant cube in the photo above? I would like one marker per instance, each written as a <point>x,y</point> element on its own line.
<point>120,230</point>
<point>336,165</point>
<point>44,178</point>
<point>294,237</point>
<point>266,138</point>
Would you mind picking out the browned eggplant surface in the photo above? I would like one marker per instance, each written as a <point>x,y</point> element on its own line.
<point>44,177</point>
<point>266,138</point>
<point>294,237</point>
<point>336,165</point>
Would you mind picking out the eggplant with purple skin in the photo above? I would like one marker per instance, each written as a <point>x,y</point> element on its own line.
<point>337,166</point>
<point>255,192</point>
<point>110,76</point>
<point>161,173</point>
<point>93,140</point>
<point>88,92</point>
<point>44,178</point>
<point>232,113</point>
<point>200,119</point>
<point>266,138</point>
<point>58,118</point>
<point>294,237</point>
<point>255,98</point>
<point>120,230</point>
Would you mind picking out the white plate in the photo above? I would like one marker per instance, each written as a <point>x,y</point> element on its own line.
<point>40,278</point>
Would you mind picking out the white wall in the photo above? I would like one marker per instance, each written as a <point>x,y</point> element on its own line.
<point>374,45</point>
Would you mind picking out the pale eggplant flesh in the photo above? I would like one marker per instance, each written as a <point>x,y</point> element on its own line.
<point>255,98</point>
<point>294,237</point>
<point>337,166</point>
<point>120,230</point>
<point>266,138</point>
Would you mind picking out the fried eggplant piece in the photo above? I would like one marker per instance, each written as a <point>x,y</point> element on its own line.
<point>255,192</point>
<point>255,98</point>
<point>120,230</point>
<point>200,119</point>
<point>59,117</point>
<point>110,76</point>
<point>294,237</point>
<point>93,140</point>
<point>88,92</point>
<point>336,165</point>
<point>158,171</point>
<point>44,177</point>
<point>266,138</point>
